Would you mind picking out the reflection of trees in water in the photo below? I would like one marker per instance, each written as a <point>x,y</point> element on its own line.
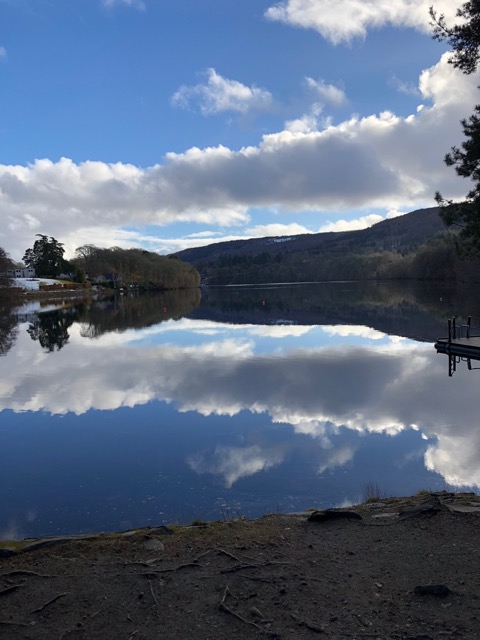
<point>8,328</point>
<point>404,309</point>
<point>139,311</point>
<point>51,328</point>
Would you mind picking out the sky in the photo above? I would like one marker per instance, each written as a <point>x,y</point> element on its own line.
<point>174,124</point>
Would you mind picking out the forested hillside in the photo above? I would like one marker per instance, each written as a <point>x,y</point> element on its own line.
<point>145,269</point>
<point>415,245</point>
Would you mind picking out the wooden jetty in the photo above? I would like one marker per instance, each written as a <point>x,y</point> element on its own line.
<point>462,347</point>
<point>461,344</point>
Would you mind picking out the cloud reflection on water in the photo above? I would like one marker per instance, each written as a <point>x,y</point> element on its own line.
<point>233,463</point>
<point>387,388</point>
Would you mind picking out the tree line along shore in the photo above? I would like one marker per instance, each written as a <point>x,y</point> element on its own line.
<point>114,268</point>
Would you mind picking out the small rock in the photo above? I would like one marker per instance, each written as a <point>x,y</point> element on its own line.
<point>432,590</point>
<point>153,545</point>
<point>430,507</point>
<point>256,613</point>
<point>7,552</point>
<point>332,514</point>
<point>462,508</point>
<point>163,531</point>
<point>129,533</point>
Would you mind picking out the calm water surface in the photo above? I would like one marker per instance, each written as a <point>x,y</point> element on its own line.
<point>157,409</point>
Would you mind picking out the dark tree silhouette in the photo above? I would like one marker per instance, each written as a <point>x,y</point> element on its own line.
<point>5,265</point>
<point>51,329</point>
<point>8,328</point>
<point>464,38</point>
<point>46,257</point>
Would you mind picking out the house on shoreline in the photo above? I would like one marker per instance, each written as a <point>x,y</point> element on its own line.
<point>25,272</point>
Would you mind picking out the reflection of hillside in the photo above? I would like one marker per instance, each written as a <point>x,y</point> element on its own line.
<point>408,310</point>
<point>136,312</point>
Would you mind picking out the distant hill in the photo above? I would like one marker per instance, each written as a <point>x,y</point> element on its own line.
<point>403,233</point>
<point>365,253</point>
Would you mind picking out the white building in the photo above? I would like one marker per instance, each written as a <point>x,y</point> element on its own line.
<point>26,272</point>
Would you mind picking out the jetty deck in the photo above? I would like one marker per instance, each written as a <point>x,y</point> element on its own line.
<point>462,343</point>
<point>462,347</point>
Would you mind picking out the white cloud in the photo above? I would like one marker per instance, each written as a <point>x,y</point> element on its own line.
<point>305,124</point>
<point>354,330</point>
<point>403,87</point>
<point>220,94</point>
<point>350,225</point>
<point>135,4</point>
<point>308,123</point>
<point>280,331</point>
<point>3,53</point>
<point>338,457</point>
<point>456,458</point>
<point>342,20</point>
<point>265,230</point>
<point>378,162</point>
<point>394,213</point>
<point>328,93</point>
<point>204,234</point>
<point>362,222</point>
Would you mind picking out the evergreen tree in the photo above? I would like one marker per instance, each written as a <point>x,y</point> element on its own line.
<point>464,38</point>
<point>46,257</point>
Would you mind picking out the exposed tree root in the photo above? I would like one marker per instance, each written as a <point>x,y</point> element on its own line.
<point>242,566</point>
<point>186,565</point>
<point>362,622</point>
<point>51,601</point>
<point>14,587</point>
<point>224,607</point>
<point>153,593</point>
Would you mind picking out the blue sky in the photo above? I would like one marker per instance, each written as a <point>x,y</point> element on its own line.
<point>174,124</point>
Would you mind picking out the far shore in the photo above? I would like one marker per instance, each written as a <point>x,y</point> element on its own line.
<point>17,295</point>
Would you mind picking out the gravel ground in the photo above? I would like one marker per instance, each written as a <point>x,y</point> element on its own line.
<point>405,569</point>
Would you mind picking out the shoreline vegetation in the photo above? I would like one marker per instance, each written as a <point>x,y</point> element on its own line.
<point>94,268</point>
<point>392,568</point>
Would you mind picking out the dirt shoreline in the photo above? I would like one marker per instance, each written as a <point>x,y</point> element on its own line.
<point>402,568</point>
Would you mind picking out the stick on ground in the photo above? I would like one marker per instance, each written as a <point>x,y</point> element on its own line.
<point>51,601</point>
